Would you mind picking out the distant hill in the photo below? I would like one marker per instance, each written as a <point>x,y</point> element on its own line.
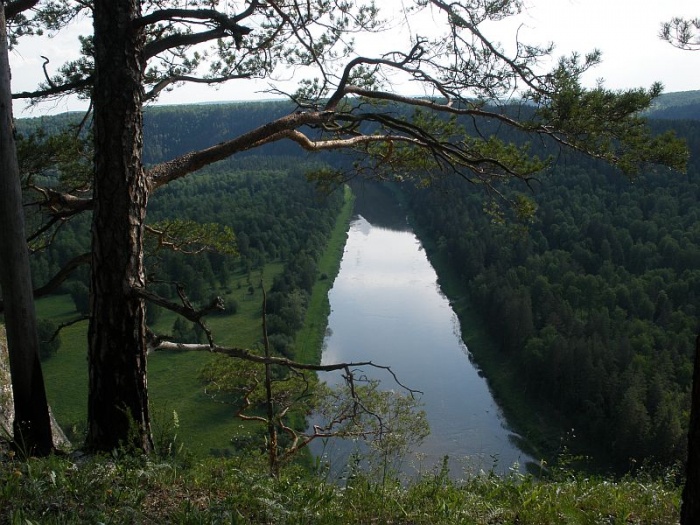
<point>174,130</point>
<point>683,105</point>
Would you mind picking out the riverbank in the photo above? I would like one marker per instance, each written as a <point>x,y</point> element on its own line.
<point>309,339</point>
<point>546,433</point>
<point>538,436</point>
<point>387,307</point>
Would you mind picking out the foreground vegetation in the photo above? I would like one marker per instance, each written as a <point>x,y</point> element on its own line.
<point>125,489</point>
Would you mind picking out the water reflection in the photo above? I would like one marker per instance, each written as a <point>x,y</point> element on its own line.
<point>387,306</point>
<point>379,208</point>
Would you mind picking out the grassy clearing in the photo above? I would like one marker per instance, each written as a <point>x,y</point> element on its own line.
<point>65,374</point>
<point>135,490</point>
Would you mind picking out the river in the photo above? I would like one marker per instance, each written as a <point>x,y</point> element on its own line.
<point>387,306</point>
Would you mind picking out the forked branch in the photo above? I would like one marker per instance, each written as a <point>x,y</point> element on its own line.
<point>247,355</point>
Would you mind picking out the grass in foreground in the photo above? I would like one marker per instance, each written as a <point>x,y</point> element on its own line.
<point>136,490</point>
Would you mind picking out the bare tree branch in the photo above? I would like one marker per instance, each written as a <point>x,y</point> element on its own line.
<point>55,90</point>
<point>343,83</point>
<point>62,275</point>
<point>164,83</point>
<point>60,204</point>
<point>66,324</point>
<point>247,355</point>
<point>46,73</point>
<point>186,310</point>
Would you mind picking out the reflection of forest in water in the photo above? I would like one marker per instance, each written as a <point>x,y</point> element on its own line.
<point>377,204</point>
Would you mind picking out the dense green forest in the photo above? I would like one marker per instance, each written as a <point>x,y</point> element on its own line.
<point>593,306</point>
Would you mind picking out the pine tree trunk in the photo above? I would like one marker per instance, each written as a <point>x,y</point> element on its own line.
<point>118,394</point>
<point>690,510</point>
<point>31,425</point>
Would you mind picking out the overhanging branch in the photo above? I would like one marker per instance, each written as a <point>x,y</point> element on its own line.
<point>55,89</point>
<point>396,131</point>
<point>158,46</point>
<point>213,15</point>
<point>166,172</point>
<point>247,355</point>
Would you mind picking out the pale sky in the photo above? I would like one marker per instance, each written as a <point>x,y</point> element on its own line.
<point>626,31</point>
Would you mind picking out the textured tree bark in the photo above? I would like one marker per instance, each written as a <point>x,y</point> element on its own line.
<point>31,425</point>
<point>118,394</point>
<point>690,509</point>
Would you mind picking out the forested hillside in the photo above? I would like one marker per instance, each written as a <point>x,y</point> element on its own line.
<point>683,105</point>
<point>594,305</point>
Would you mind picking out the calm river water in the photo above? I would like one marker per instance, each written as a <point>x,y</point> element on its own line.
<point>386,306</point>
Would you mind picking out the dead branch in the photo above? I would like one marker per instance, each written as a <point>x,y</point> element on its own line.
<point>186,310</point>
<point>241,353</point>
<point>46,73</point>
<point>60,204</point>
<point>63,274</point>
